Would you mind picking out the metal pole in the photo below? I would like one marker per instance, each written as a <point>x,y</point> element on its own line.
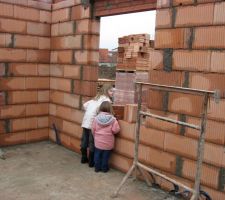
<point>200,153</point>
<point>137,127</point>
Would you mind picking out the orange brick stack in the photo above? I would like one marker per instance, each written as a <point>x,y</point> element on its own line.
<point>73,68</point>
<point>24,71</point>
<point>134,55</point>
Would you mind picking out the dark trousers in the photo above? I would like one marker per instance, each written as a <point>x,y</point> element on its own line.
<point>87,140</point>
<point>101,159</point>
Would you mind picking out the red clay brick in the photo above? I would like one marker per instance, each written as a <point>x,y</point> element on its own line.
<point>213,154</point>
<point>120,162</point>
<point>91,42</point>
<point>219,15</point>
<point>155,99</point>
<point>64,4</point>
<point>169,78</point>
<point>41,56</point>
<point>217,61</point>
<point>214,130</point>
<point>85,88</point>
<point>90,73</point>
<point>43,96</point>
<point>45,16</point>
<point>12,26</point>
<point>152,137</point>
<point>86,57</point>
<point>12,139</point>
<point>60,84</point>
<point>87,26</point>
<point>37,109</point>
<point>39,5</point>
<point>195,60</point>
<point>44,43</point>
<point>72,129</point>
<point>73,71</point>
<point>130,113</point>
<point>2,127</point>
<point>80,12</point>
<point>37,83</point>
<point>75,144</point>
<point>43,122</point>
<point>52,109</point>
<point>5,40</point>
<point>215,194</point>
<point>209,37</point>
<point>55,29</point>
<point>210,81</point>
<point>155,59</point>
<point>12,84</point>
<point>65,140</point>
<point>56,97</point>
<point>65,56</point>
<point>26,13</point>
<point>2,98</point>
<point>157,158</point>
<point>194,15</point>
<point>216,111</point>
<point>67,42</point>
<point>185,104</point>
<point>43,69</point>
<point>54,57</point>
<point>23,69</point>
<point>180,145</point>
<point>57,70</point>
<point>127,130</point>
<point>25,41</point>
<point>24,124</point>
<point>172,38</point>
<point>162,125</point>
<point>61,15</point>
<point>36,135</point>
<point>66,28</point>
<point>39,29</point>
<point>209,176</point>
<point>11,55</point>
<point>163,18</point>
<point>16,97</point>
<point>12,111</point>
<point>6,10</point>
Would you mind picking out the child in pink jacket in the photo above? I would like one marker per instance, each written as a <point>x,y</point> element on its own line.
<point>104,127</point>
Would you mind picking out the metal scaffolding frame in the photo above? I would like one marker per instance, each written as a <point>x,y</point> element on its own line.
<point>137,166</point>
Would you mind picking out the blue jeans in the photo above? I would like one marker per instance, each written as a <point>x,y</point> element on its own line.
<point>101,160</point>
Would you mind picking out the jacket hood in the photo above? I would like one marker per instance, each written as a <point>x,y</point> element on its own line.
<point>105,119</point>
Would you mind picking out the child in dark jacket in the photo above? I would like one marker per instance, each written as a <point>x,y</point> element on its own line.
<point>104,127</point>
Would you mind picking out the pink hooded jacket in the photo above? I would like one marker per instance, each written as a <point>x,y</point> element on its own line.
<point>104,127</point>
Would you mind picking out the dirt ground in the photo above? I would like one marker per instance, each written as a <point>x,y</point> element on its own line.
<point>46,171</point>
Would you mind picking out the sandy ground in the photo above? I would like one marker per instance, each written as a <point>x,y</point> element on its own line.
<point>46,171</point>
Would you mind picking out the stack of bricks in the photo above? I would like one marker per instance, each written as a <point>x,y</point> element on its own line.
<point>134,53</point>
<point>24,70</point>
<point>73,67</point>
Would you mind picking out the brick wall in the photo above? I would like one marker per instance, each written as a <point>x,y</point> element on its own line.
<point>73,67</point>
<point>24,70</point>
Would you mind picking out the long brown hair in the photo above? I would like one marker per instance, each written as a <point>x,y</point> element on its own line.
<point>104,91</point>
<point>106,106</point>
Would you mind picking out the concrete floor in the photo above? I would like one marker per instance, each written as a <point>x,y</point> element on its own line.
<point>45,171</point>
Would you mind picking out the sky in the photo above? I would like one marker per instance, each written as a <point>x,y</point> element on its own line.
<point>113,27</point>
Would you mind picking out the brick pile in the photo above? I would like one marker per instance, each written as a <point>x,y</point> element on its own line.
<point>133,65</point>
<point>24,70</point>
